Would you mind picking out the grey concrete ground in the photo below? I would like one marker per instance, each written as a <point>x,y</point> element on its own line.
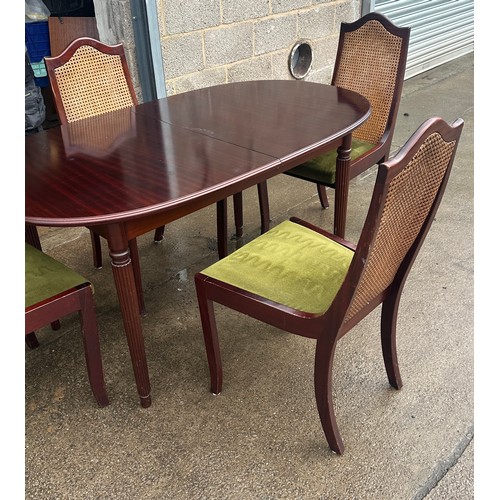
<point>261,437</point>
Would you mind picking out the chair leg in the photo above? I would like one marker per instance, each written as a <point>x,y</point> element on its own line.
<point>31,236</point>
<point>96,249</point>
<point>323,197</point>
<point>55,324</point>
<point>134,257</point>
<point>222,228</point>
<point>159,232</point>
<point>31,340</point>
<point>92,347</point>
<point>388,323</point>
<point>264,207</point>
<point>323,390</point>
<point>238,213</point>
<point>209,327</point>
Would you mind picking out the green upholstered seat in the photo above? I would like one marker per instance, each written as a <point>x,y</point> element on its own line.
<point>322,168</point>
<point>45,277</point>
<point>291,265</point>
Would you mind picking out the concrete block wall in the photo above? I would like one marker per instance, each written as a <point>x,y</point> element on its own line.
<point>114,24</point>
<point>210,42</point>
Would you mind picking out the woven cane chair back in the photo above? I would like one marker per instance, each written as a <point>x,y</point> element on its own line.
<point>90,78</point>
<point>369,60</point>
<point>410,197</point>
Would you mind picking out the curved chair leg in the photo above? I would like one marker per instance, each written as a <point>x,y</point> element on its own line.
<point>210,335</point>
<point>96,249</point>
<point>92,347</point>
<point>323,389</point>
<point>159,232</point>
<point>388,323</point>
<point>264,207</point>
<point>134,256</point>
<point>323,197</point>
<point>222,228</point>
<point>238,213</point>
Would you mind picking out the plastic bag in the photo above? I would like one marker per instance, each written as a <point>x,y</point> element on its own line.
<point>35,10</point>
<point>34,113</point>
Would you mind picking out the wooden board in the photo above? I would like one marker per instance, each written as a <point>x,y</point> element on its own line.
<point>63,30</point>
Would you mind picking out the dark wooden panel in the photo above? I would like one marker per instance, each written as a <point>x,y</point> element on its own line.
<point>63,30</point>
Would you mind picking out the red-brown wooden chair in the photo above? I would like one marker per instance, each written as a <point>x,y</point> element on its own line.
<point>90,78</point>
<point>53,291</point>
<point>309,282</point>
<point>371,60</point>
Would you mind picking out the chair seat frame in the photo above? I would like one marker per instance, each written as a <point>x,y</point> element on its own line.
<point>77,299</point>
<point>329,328</point>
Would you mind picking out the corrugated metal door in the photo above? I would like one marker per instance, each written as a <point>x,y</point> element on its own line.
<point>441,30</point>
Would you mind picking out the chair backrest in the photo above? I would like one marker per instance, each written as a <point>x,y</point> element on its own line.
<point>371,60</point>
<point>407,193</point>
<point>90,78</point>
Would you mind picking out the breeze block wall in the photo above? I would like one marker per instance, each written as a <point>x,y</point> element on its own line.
<point>211,42</point>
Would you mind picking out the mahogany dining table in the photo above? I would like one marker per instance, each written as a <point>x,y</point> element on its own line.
<point>130,171</point>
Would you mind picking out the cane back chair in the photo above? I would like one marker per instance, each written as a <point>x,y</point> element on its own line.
<point>309,282</point>
<point>371,60</point>
<point>52,291</point>
<point>90,78</point>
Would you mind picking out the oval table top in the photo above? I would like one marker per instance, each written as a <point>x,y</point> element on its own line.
<point>182,152</point>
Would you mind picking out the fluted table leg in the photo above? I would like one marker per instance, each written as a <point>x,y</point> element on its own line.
<point>127,296</point>
<point>342,186</point>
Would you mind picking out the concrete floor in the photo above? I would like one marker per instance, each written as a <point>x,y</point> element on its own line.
<point>261,437</point>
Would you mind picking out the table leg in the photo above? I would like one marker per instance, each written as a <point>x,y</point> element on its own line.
<point>342,186</point>
<point>127,296</point>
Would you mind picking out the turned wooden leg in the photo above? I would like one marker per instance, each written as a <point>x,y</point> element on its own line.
<point>342,186</point>
<point>136,264</point>
<point>129,304</point>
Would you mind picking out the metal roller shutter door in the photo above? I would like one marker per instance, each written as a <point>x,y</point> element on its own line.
<point>441,30</point>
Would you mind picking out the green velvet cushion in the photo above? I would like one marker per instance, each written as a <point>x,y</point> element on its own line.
<point>291,265</point>
<point>45,277</point>
<point>322,168</point>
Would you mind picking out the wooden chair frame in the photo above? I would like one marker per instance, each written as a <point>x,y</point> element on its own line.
<point>77,299</point>
<point>56,62</point>
<point>53,64</point>
<point>345,311</point>
<point>380,152</point>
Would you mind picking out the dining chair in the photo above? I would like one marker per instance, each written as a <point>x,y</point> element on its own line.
<point>371,60</point>
<point>309,282</point>
<point>90,78</point>
<point>53,291</point>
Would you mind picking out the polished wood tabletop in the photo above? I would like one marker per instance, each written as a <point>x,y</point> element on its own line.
<point>130,171</point>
